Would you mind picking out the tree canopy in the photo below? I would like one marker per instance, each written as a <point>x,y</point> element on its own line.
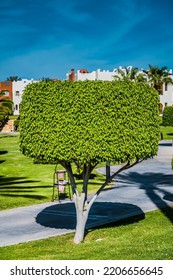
<point>86,123</point>
<point>89,121</point>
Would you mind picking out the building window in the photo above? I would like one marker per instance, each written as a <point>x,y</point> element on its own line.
<point>16,107</point>
<point>17,93</point>
<point>7,83</point>
<point>166,104</point>
<point>5,92</point>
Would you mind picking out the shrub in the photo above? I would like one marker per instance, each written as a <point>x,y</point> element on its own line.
<point>168,116</point>
<point>16,124</point>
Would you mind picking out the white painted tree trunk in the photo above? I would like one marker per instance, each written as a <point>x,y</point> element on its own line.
<point>82,212</point>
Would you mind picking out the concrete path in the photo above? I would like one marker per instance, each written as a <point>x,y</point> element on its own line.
<point>145,187</point>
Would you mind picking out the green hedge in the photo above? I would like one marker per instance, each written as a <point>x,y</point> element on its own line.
<point>167,119</point>
<point>16,124</point>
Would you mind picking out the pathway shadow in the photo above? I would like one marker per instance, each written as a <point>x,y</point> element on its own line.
<point>63,216</point>
<point>165,144</point>
<point>168,197</point>
<point>154,185</point>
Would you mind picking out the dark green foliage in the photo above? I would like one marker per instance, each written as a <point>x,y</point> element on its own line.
<point>4,112</point>
<point>6,109</point>
<point>16,124</point>
<point>8,104</point>
<point>89,122</point>
<point>1,117</point>
<point>167,119</point>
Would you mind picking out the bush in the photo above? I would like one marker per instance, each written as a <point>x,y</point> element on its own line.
<point>168,116</point>
<point>16,124</point>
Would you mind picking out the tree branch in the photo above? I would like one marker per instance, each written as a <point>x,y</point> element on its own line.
<point>126,166</point>
<point>67,166</point>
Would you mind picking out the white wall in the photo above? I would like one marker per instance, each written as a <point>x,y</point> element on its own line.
<point>85,76</point>
<point>104,75</point>
<point>18,88</point>
<point>167,98</point>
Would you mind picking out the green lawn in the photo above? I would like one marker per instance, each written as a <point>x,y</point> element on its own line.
<point>146,239</point>
<point>24,183</point>
<point>167,132</point>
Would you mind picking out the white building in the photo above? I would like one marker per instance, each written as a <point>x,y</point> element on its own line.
<point>166,98</point>
<point>18,88</point>
<point>166,93</point>
<point>83,74</point>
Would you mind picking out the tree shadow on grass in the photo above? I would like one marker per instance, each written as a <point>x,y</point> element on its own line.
<point>17,187</point>
<point>63,216</point>
<point>79,176</point>
<point>9,181</point>
<point>2,153</point>
<point>33,196</point>
<point>16,182</point>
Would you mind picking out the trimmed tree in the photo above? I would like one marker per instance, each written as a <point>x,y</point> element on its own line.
<point>167,119</point>
<point>86,123</point>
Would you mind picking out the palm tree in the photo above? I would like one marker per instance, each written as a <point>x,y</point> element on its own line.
<point>127,74</point>
<point>130,74</point>
<point>13,78</point>
<point>46,79</point>
<point>6,105</point>
<point>141,77</point>
<point>157,76</point>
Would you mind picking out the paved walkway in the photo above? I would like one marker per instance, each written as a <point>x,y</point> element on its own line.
<point>144,187</point>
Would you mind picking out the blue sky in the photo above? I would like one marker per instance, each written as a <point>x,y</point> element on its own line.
<point>48,38</point>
